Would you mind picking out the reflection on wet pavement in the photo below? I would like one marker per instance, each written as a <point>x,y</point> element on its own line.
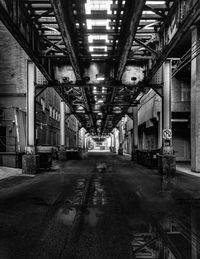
<point>66,216</point>
<point>92,216</point>
<point>116,210</point>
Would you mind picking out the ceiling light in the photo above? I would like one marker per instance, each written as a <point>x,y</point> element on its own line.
<point>103,22</point>
<point>155,2</point>
<point>92,48</point>
<point>100,77</point>
<point>91,38</point>
<point>100,101</point>
<point>99,55</point>
<point>147,12</point>
<point>96,5</point>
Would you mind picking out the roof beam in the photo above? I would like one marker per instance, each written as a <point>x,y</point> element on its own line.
<point>145,46</point>
<point>149,8</point>
<point>44,14</point>
<point>62,11</point>
<point>133,12</point>
<point>182,29</point>
<point>63,22</point>
<point>14,14</point>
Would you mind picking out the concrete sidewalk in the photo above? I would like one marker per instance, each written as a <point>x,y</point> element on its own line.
<point>186,169</point>
<point>6,172</point>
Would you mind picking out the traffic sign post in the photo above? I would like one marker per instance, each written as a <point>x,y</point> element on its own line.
<point>167,134</point>
<point>167,141</point>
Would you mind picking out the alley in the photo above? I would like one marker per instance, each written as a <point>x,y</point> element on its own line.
<point>101,207</point>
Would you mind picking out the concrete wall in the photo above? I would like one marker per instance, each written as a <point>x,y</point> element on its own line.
<point>13,89</point>
<point>48,121</point>
<point>148,119</point>
<point>13,84</point>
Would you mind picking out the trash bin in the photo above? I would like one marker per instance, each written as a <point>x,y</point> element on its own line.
<point>46,155</point>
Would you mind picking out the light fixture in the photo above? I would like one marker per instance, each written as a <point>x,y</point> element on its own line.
<point>103,22</point>
<point>91,38</point>
<point>100,77</point>
<point>100,101</point>
<point>117,110</point>
<point>99,55</point>
<point>94,5</point>
<point>155,2</point>
<point>93,48</point>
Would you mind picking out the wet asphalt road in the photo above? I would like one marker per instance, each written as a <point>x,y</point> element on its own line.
<point>102,207</point>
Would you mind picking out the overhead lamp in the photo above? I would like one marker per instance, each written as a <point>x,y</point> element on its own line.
<point>104,48</point>
<point>117,110</point>
<point>93,5</point>
<point>100,77</point>
<point>91,38</point>
<point>155,2</point>
<point>100,22</point>
<point>100,101</point>
<point>99,55</point>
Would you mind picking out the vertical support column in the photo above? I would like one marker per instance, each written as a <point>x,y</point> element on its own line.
<point>30,161</point>
<point>135,134</point>
<point>62,151</point>
<point>111,142</point>
<point>195,100</point>
<point>114,141</point>
<point>167,161</point>
<point>120,150</point>
<point>86,142</point>
<point>31,109</point>
<point>160,130</point>
<point>166,108</point>
<point>62,123</point>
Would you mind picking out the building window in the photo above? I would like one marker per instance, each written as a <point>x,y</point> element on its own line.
<point>50,111</point>
<point>54,113</point>
<point>42,102</point>
<point>185,92</point>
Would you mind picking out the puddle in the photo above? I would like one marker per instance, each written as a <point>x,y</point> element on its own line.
<point>66,216</point>
<point>99,195</point>
<point>101,167</point>
<point>92,216</point>
<point>169,237</point>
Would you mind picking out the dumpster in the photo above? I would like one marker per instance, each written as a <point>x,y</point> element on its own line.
<point>46,155</point>
<point>72,153</point>
<point>148,158</point>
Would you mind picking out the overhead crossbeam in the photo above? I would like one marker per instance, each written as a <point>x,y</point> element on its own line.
<point>146,46</point>
<point>132,15</point>
<point>44,14</point>
<point>149,8</point>
<point>63,22</point>
<point>184,26</point>
<point>17,20</point>
<point>62,11</point>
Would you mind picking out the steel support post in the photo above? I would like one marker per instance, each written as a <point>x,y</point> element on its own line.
<point>135,134</point>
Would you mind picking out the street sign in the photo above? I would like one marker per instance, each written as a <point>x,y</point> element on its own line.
<point>167,134</point>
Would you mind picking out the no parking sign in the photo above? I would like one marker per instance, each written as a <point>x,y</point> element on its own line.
<point>167,134</point>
